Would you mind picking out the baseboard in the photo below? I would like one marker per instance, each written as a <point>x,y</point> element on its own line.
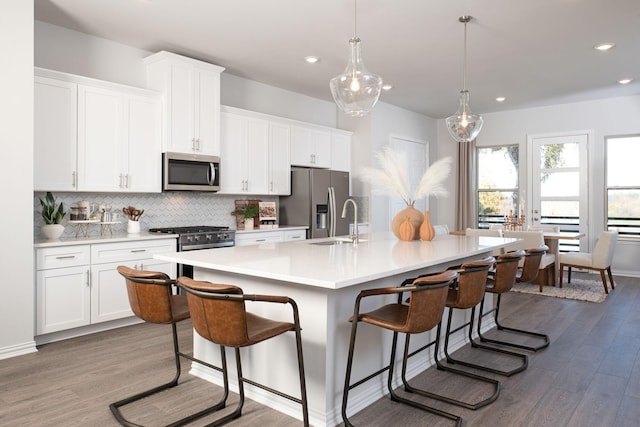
<point>18,350</point>
<point>360,397</point>
<point>86,330</point>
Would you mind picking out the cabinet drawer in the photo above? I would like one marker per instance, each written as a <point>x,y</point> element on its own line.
<point>120,252</point>
<point>258,237</point>
<point>62,256</point>
<point>290,235</point>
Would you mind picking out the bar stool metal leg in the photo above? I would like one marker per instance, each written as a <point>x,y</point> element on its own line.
<point>496,311</point>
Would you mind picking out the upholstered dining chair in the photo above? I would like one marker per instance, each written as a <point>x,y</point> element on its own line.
<point>600,259</point>
<point>219,315</point>
<point>151,299</point>
<point>421,313</point>
<point>441,229</point>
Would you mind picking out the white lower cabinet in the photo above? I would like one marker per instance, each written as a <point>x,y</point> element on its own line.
<point>269,236</point>
<point>80,285</point>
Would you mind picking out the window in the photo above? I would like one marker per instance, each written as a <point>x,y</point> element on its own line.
<point>497,184</point>
<point>623,185</point>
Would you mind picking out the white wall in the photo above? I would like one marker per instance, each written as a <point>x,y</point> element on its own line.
<point>373,133</point>
<point>605,117</point>
<point>74,52</point>
<point>16,178</point>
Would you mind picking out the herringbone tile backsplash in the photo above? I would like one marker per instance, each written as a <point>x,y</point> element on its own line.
<point>160,210</point>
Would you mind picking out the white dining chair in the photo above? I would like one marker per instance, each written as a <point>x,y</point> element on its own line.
<point>600,259</point>
<point>441,229</point>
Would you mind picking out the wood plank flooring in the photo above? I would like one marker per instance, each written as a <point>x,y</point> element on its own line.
<point>589,376</point>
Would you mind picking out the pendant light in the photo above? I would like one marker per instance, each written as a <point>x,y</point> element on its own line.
<point>356,90</point>
<point>464,125</point>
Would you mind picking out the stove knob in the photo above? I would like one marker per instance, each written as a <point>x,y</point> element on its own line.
<point>208,237</point>
<point>196,238</point>
<point>189,239</point>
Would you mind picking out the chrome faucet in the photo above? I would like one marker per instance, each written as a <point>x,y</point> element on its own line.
<point>354,233</point>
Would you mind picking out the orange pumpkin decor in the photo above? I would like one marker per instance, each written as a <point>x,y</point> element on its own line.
<point>407,230</point>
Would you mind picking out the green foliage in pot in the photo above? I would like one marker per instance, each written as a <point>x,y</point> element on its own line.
<point>246,211</point>
<point>51,213</point>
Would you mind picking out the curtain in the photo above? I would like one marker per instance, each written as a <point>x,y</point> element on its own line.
<point>465,186</point>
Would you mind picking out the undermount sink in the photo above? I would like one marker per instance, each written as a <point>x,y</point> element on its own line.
<point>336,241</point>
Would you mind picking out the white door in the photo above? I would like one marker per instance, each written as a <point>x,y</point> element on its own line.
<point>558,182</point>
<point>416,158</point>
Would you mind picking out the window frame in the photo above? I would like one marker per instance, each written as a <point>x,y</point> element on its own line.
<point>478,190</point>
<point>622,235</point>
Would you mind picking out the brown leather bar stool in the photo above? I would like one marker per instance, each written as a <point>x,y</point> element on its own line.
<point>422,312</point>
<point>501,281</point>
<point>465,293</point>
<point>151,300</point>
<point>532,258</point>
<point>469,293</point>
<point>218,314</point>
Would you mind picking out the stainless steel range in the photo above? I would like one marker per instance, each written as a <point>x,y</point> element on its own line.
<point>198,237</point>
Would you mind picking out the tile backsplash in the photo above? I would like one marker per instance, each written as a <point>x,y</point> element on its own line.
<point>160,210</point>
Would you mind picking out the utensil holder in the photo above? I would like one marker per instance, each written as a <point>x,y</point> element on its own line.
<point>133,226</point>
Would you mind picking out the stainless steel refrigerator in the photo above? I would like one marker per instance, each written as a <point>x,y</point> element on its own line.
<point>316,200</point>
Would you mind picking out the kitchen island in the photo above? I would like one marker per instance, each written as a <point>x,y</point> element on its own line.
<point>324,279</point>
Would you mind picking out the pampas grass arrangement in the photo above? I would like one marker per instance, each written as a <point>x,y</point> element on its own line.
<point>392,178</point>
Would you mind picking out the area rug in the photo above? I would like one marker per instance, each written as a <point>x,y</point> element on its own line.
<point>578,289</point>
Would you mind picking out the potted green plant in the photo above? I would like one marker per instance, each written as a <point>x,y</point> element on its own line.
<point>248,212</point>
<point>52,214</point>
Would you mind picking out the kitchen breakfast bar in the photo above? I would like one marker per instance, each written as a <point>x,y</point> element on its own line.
<point>324,276</point>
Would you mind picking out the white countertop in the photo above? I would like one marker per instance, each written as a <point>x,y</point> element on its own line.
<point>116,237</point>
<point>336,266</point>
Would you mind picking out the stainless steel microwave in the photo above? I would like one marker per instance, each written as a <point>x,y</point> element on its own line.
<point>190,172</point>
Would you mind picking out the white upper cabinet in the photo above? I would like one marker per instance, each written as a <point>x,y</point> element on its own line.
<point>254,154</point>
<point>55,121</point>
<point>341,150</point>
<point>91,135</point>
<point>118,135</point>
<point>192,102</point>
<point>244,154</point>
<point>279,158</point>
<point>310,146</point>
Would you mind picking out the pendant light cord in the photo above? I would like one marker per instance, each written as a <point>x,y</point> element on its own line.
<point>464,61</point>
<point>355,19</point>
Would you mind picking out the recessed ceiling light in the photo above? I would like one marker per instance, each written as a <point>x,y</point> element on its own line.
<point>501,99</point>
<point>387,87</point>
<point>624,81</point>
<point>312,59</point>
<point>604,46</point>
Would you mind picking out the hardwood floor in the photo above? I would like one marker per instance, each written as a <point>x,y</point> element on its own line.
<point>589,375</point>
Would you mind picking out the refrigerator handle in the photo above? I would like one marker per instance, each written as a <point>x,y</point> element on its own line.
<point>332,212</point>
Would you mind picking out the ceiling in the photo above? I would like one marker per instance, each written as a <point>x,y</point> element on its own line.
<point>534,53</point>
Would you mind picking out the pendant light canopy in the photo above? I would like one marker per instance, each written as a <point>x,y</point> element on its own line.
<point>356,90</point>
<point>464,125</point>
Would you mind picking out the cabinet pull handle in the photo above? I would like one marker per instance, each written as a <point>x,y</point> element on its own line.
<point>66,257</point>
<point>88,278</point>
<point>126,181</point>
<point>271,186</point>
<point>73,179</point>
<point>294,237</point>
<point>138,250</point>
<point>261,240</point>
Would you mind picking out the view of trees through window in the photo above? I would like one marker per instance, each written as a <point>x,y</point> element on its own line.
<point>623,185</point>
<point>498,192</point>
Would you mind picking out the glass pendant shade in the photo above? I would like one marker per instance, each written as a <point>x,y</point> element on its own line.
<point>464,125</point>
<point>356,90</point>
